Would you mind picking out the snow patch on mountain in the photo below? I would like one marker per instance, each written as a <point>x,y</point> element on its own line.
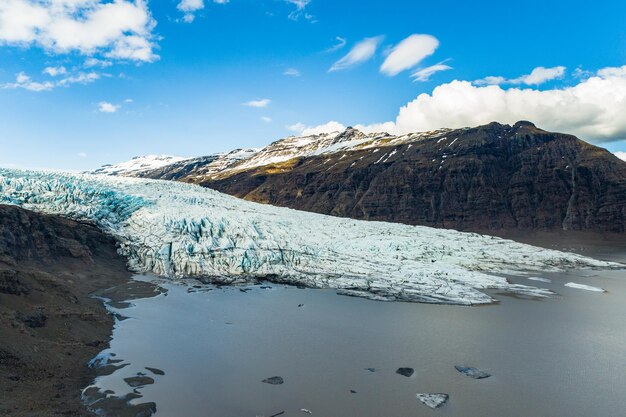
<point>139,164</point>
<point>177,230</point>
<point>224,164</point>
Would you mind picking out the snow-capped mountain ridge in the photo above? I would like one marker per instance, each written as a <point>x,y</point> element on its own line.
<point>139,164</point>
<point>176,230</point>
<point>280,151</point>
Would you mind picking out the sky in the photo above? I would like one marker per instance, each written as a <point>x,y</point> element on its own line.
<point>89,82</point>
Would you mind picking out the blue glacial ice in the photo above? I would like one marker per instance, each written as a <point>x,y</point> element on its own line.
<point>180,230</point>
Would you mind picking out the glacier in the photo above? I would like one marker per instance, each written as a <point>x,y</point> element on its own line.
<point>181,230</point>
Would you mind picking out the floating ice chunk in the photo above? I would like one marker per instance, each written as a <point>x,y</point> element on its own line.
<point>584,287</point>
<point>540,279</point>
<point>433,400</point>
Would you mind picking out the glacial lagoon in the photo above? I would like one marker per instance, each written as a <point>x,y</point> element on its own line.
<point>198,351</point>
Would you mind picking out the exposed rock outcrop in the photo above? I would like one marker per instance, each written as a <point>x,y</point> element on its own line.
<point>488,178</point>
<point>49,325</point>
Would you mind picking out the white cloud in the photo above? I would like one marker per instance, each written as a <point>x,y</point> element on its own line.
<point>303,130</point>
<point>121,29</point>
<point>621,155</point>
<point>129,100</point>
<point>22,80</point>
<point>54,71</point>
<point>292,72</point>
<point>491,80</point>
<point>334,126</point>
<point>262,103</point>
<point>82,154</point>
<point>424,74</point>
<point>594,109</point>
<point>94,62</point>
<point>537,76</point>
<point>299,10</point>
<point>266,119</point>
<point>341,42</point>
<point>106,107</point>
<point>360,53</point>
<point>540,75</point>
<point>408,53</point>
<point>189,7</point>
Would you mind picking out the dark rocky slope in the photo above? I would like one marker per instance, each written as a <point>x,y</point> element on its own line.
<point>50,327</point>
<point>489,178</point>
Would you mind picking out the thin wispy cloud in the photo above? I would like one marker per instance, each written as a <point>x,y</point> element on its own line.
<point>341,42</point>
<point>120,30</point>
<point>24,81</point>
<point>360,53</point>
<point>266,119</point>
<point>292,72</point>
<point>300,9</point>
<point>95,62</point>
<point>424,74</point>
<point>261,104</point>
<point>408,53</point>
<point>538,75</point>
<point>190,7</point>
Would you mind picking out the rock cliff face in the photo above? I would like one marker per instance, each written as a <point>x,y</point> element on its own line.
<point>492,177</point>
<point>50,327</point>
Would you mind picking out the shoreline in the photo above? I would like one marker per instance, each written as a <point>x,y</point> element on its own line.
<point>54,276</point>
<point>51,326</point>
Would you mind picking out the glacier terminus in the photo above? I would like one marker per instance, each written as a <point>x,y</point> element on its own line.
<point>181,230</point>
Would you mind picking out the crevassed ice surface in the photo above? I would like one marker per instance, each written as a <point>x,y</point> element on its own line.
<point>175,230</point>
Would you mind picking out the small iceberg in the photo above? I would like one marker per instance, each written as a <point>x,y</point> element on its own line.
<point>472,372</point>
<point>433,400</point>
<point>584,287</point>
<point>540,279</point>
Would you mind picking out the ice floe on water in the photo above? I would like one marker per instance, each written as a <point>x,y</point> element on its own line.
<point>584,287</point>
<point>433,400</point>
<point>540,279</point>
<point>177,230</point>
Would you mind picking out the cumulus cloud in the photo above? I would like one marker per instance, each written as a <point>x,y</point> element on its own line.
<point>304,130</point>
<point>119,29</point>
<point>424,74</point>
<point>621,155</point>
<point>537,76</point>
<point>292,72</point>
<point>24,81</point>
<point>106,107</point>
<point>334,126</point>
<point>262,103</point>
<point>408,53</point>
<point>594,109</point>
<point>54,71</point>
<point>360,53</point>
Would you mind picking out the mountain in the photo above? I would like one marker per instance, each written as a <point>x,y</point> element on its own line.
<point>138,165</point>
<point>488,178</point>
<point>180,230</point>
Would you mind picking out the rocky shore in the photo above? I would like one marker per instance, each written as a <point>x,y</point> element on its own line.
<point>50,325</point>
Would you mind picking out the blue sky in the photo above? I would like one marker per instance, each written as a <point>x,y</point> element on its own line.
<point>180,86</point>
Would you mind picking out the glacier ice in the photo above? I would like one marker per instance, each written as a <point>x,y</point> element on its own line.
<point>176,230</point>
